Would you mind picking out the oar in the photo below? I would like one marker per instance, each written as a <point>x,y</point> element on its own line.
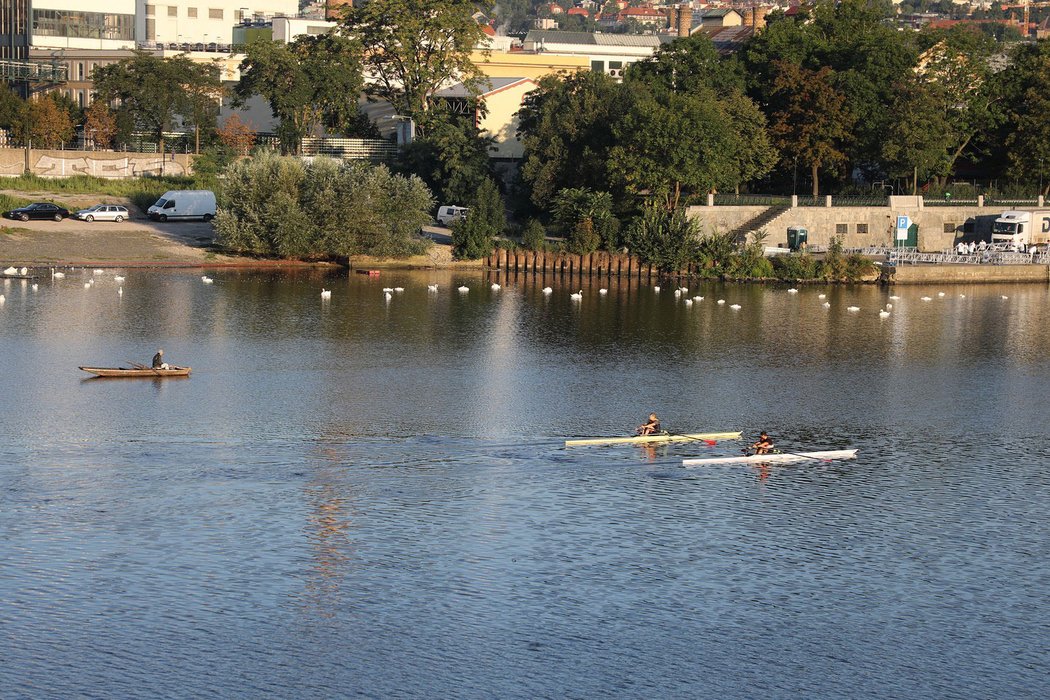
<point>707,442</point>
<point>144,367</point>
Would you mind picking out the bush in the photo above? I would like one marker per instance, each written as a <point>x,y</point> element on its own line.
<point>280,206</point>
<point>834,265</point>
<point>667,239</point>
<point>796,266</point>
<point>583,239</point>
<point>474,236</point>
<point>535,236</point>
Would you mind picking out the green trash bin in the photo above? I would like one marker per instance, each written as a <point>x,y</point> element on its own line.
<point>798,236</point>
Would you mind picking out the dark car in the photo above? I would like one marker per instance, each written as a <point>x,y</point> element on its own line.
<point>38,210</point>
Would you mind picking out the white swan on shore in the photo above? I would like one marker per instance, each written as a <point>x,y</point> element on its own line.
<point>10,271</point>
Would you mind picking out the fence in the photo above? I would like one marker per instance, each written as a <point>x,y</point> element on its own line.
<point>571,264</point>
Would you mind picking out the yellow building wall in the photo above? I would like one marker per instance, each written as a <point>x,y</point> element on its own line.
<point>501,122</point>
<point>504,64</point>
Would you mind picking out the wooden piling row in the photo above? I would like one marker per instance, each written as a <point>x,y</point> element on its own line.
<point>599,264</point>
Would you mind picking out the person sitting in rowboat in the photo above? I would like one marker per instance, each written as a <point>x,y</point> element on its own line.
<point>651,427</point>
<point>764,445</point>
<point>158,361</point>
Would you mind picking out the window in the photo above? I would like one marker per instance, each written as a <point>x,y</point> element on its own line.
<point>173,11</point>
<point>151,29</point>
<point>949,227</point>
<point>841,229</point>
<point>214,14</point>
<point>84,25</point>
<point>151,10</point>
<point>80,71</point>
<point>598,66</point>
<point>80,99</point>
<point>862,228</point>
<point>191,12</point>
<point>238,15</point>
<point>616,64</point>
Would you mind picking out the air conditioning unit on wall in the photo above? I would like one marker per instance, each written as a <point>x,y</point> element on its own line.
<point>616,72</point>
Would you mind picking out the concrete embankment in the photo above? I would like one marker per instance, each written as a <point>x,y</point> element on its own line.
<point>964,274</point>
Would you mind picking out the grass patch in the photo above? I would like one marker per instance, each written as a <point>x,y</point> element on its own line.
<point>9,202</point>
<point>142,191</point>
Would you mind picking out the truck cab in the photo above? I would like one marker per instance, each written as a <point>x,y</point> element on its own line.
<point>1020,230</point>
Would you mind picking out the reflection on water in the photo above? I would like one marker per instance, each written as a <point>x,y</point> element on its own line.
<point>367,497</point>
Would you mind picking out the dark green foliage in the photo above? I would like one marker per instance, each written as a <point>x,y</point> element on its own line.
<point>534,237</point>
<point>667,239</point>
<point>154,92</point>
<point>278,206</point>
<point>585,218</point>
<point>11,106</point>
<point>474,236</point>
<point>452,159</point>
<point>796,266</point>
<point>313,80</point>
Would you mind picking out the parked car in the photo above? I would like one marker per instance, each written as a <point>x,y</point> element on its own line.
<point>184,204</point>
<point>103,212</point>
<point>37,210</point>
<point>450,214</point>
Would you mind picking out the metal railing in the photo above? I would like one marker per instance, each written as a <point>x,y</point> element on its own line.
<point>986,257</point>
<point>765,200</point>
<point>35,71</point>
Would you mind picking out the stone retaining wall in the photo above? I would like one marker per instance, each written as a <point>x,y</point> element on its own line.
<point>940,227</point>
<point>969,274</point>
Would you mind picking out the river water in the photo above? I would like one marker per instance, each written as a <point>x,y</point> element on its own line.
<point>363,497</point>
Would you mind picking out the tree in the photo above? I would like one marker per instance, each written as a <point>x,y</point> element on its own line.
<point>565,130</point>
<point>917,142</point>
<point>311,81</point>
<point>11,107</point>
<point>45,124</point>
<point>473,237</point>
<point>153,91</point>
<point>237,135</point>
<point>452,158</point>
<point>586,218</point>
<point>204,90</point>
<point>412,48</point>
<point>810,122</point>
<point>686,65</point>
<point>100,124</point>
<point>1029,144</point>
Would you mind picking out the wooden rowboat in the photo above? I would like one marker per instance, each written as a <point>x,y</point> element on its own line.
<point>137,371</point>
<point>781,457</point>
<point>656,437</point>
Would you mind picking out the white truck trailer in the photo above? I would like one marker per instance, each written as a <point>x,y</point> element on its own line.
<point>1022,229</point>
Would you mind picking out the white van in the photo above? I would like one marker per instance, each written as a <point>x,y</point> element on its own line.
<point>184,204</point>
<point>450,214</point>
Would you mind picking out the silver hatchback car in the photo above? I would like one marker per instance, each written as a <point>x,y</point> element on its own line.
<point>103,212</point>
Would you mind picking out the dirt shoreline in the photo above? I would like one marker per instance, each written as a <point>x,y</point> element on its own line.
<point>140,242</point>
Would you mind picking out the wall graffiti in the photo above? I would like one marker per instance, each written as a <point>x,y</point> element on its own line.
<point>109,164</point>
<point>133,166</point>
